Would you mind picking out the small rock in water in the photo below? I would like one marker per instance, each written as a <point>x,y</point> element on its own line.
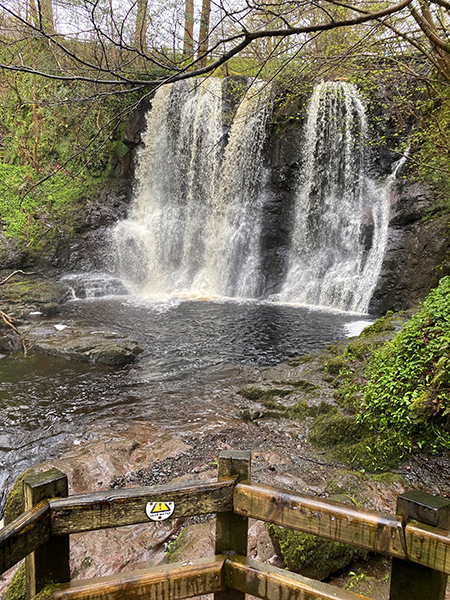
<point>60,327</point>
<point>35,313</point>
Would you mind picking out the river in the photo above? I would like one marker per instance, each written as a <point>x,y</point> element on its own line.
<point>193,351</point>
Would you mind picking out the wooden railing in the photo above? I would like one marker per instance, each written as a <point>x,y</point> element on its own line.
<point>417,538</point>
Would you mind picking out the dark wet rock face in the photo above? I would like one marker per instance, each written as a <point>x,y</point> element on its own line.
<point>415,247</point>
<point>88,250</point>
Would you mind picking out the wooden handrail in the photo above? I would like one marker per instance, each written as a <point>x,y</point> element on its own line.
<point>204,576</point>
<point>176,581</point>
<point>229,575</point>
<point>428,546</point>
<point>100,510</point>
<point>375,531</point>
<point>268,582</point>
<point>24,535</point>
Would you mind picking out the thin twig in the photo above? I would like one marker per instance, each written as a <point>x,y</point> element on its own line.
<point>15,273</point>
<point>8,321</point>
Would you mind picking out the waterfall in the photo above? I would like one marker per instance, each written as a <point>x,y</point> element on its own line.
<point>341,214</point>
<point>194,227</point>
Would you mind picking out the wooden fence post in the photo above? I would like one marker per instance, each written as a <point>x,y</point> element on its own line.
<point>232,529</point>
<point>410,580</point>
<point>50,562</point>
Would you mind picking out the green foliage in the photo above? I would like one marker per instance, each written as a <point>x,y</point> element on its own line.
<point>431,143</point>
<point>37,217</point>
<point>58,142</point>
<point>407,396</point>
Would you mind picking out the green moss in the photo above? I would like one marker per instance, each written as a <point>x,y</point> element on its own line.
<point>255,393</point>
<point>350,441</point>
<point>381,325</point>
<point>296,361</point>
<point>17,589</point>
<point>335,428</point>
<point>14,500</point>
<point>310,555</point>
<point>273,405</point>
<point>348,396</point>
<point>335,365</point>
<point>303,385</point>
<point>358,349</point>
<point>302,409</point>
<point>175,549</point>
<point>388,478</point>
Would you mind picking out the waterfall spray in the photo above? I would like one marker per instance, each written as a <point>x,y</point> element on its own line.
<point>196,224</point>
<point>333,261</point>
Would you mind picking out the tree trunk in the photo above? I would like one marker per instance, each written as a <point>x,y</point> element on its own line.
<point>140,32</point>
<point>204,32</point>
<point>42,13</point>
<point>188,46</point>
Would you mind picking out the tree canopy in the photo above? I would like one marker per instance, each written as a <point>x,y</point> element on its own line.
<point>134,45</point>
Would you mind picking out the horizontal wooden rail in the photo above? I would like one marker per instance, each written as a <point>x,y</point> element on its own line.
<point>204,576</point>
<point>100,510</point>
<point>267,582</point>
<point>177,581</point>
<point>379,532</point>
<point>24,535</point>
<point>428,546</point>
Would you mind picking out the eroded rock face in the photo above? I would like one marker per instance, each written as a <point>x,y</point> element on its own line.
<point>415,248</point>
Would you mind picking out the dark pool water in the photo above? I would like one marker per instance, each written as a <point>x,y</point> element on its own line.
<point>45,402</point>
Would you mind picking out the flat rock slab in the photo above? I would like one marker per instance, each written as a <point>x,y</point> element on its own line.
<point>83,344</point>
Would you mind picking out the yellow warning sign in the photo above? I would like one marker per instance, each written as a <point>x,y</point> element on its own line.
<point>159,511</point>
<point>160,507</point>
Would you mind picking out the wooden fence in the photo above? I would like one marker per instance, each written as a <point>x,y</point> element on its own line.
<point>417,538</point>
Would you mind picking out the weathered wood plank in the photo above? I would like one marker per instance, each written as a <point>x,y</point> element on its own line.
<point>371,530</point>
<point>232,529</point>
<point>417,581</point>
<point>267,582</point>
<point>100,510</point>
<point>24,535</point>
<point>49,562</point>
<point>428,546</point>
<point>176,581</point>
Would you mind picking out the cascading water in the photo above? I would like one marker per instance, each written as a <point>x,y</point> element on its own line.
<point>195,224</point>
<point>332,262</point>
<point>196,227</point>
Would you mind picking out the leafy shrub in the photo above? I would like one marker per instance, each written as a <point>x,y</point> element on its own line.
<point>409,379</point>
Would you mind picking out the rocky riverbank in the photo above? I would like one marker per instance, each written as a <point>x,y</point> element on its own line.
<point>33,303</point>
<point>275,409</point>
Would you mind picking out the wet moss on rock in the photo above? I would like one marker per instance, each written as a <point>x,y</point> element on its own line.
<point>258,394</point>
<point>17,589</point>
<point>309,555</point>
<point>14,504</point>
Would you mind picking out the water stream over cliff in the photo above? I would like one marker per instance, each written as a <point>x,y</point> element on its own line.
<point>196,226</point>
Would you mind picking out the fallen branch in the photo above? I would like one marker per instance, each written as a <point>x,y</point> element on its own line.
<point>8,320</point>
<point>15,273</point>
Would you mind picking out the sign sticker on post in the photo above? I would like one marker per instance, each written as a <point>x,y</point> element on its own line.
<point>159,511</point>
